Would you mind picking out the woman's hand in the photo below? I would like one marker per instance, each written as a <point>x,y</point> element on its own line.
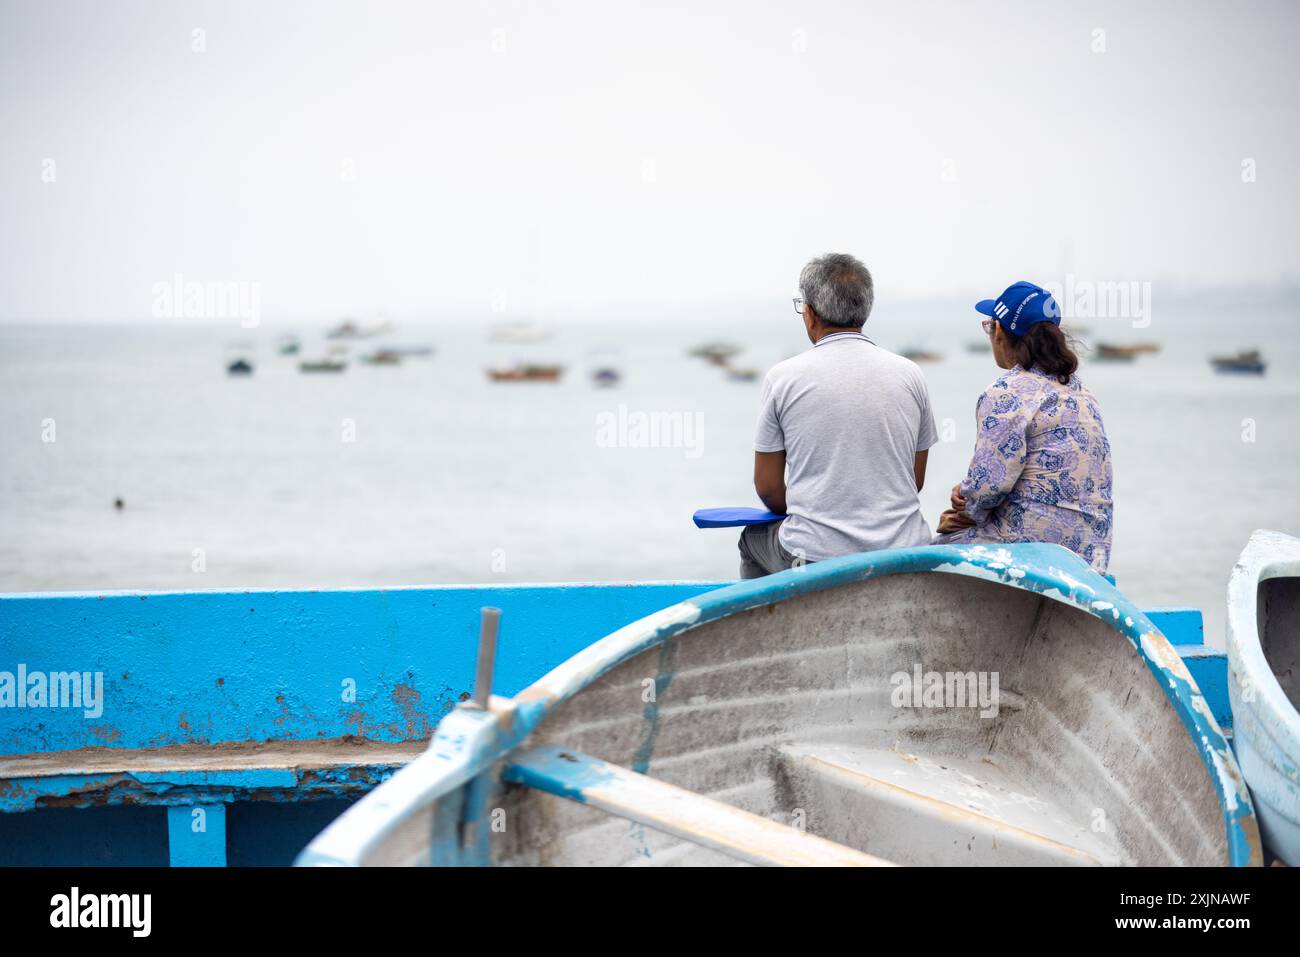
<point>954,521</point>
<point>955,518</point>
<point>957,501</point>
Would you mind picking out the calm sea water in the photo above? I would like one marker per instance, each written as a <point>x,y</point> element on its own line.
<point>428,473</point>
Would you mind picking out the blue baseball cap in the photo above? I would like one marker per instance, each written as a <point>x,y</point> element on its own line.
<point>1020,306</point>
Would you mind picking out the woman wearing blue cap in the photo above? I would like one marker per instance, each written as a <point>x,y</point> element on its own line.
<point>1041,470</point>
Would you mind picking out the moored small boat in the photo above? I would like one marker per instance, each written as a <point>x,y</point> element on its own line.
<point>736,374</point>
<point>921,355</point>
<point>716,353</point>
<point>1264,683</point>
<point>526,372</point>
<point>606,376</point>
<point>240,367</point>
<point>322,365</point>
<point>382,357</point>
<point>1248,362</point>
<point>1107,352</point>
<point>837,714</point>
<point>351,329</point>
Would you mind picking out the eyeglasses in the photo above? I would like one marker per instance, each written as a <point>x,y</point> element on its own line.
<point>798,306</point>
<point>988,326</point>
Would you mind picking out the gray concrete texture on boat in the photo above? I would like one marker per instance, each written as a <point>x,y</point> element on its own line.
<point>787,711</point>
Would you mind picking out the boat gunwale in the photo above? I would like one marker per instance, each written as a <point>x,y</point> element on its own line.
<point>1049,570</point>
<point>1269,726</point>
<point>356,589</point>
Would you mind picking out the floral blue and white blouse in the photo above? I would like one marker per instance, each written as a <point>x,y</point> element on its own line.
<point>1041,470</point>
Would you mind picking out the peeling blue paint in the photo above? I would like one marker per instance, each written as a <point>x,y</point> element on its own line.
<point>1209,667</point>
<point>664,677</point>
<point>558,771</point>
<point>169,788</point>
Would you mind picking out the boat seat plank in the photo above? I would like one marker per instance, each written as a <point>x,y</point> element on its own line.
<point>676,811</point>
<point>953,810</point>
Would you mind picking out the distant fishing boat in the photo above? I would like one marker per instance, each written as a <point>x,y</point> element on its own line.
<point>1107,352</point>
<point>921,355</point>
<point>526,372</point>
<point>845,698</point>
<point>383,357</point>
<point>1140,347</point>
<point>411,352</point>
<point>322,365</point>
<point>240,367</point>
<point>606,377</point>
<point>741,375</point>
<point>289,347</point>
<point>351,329</point>
<point>1248,362</point>
<point>715,352</point>
<point>979,346</point>
<point>1264,683</point>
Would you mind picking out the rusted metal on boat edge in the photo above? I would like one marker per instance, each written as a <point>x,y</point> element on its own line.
<point>1267,725</point>
<point>469,743</point>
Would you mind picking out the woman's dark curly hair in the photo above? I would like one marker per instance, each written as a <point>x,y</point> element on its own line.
<point>1045,347</point>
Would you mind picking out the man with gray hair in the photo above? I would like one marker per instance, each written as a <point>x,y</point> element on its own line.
<point>844,430</point>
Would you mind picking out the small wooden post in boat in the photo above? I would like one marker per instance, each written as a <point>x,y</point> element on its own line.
<point>487,655</point>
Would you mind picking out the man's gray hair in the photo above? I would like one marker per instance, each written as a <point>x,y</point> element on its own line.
<point>839,289</point>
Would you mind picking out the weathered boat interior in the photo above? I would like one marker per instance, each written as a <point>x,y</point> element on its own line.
<point>785,711</point>
<point>1278,620</point>
<point>797,732</point>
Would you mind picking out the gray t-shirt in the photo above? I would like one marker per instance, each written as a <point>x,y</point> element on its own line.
<point>851,418</point>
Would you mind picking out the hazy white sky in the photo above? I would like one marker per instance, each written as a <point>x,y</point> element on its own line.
<point>433,158</point>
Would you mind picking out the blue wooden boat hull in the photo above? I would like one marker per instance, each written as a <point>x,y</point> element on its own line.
<point>682,737</point>
<point>268,711</point>
<point>1264,683</point>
